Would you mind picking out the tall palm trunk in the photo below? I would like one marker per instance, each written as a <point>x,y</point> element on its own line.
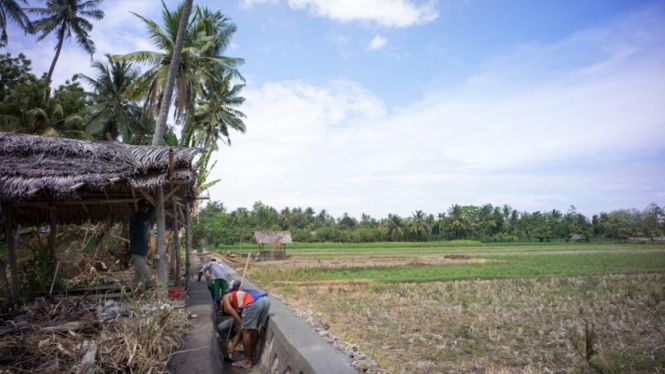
<point>160,127</point>
<point>58,48</point>
<point>158,137</point>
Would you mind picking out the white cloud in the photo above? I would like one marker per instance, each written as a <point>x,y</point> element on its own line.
<point>251,3</point>
<point>570,131</point>
<point>377,43</point>
<point>390,13</point>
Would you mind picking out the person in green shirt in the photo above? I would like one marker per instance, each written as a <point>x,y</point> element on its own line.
<point>138,243</point>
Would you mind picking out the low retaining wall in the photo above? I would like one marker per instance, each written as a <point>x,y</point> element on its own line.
<point>291,346</point>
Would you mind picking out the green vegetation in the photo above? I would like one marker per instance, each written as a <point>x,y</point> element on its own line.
<point>501,263</point>
<point>461,224</point>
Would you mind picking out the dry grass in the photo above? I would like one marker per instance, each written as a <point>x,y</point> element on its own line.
<point>536,325</point>
<point>92,337</point>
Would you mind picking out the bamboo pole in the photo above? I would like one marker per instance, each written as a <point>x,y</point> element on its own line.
<point>249,255</point>
<point>188,243</point>
<point>162,263</point>
<point>53,230</point>
<point>176,245</point>
<point>11,249</point>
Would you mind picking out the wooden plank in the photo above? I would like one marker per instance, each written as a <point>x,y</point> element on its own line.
<point>77,186</point>
<point>172,192</point>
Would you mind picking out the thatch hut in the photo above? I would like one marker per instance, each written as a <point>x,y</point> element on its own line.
<point>56,181</point>
<point>277,240</point>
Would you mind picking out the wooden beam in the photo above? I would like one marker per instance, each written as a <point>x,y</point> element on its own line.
<point>34,191</point>
<point>85,208</point>
<point>77,186</point>
<point>115,179</point>
<point>136,207</point>
<point>35,205</point>
<point>149,198</point>
<point>202,198</point>
<point>171,165</point>
<point>171,193</point>
<point>45,205</point>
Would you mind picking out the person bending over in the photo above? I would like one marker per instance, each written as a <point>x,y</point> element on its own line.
<point>250,309</point>
<point>219,279</point>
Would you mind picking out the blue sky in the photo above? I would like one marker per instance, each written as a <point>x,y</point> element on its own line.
<point>393,106</point>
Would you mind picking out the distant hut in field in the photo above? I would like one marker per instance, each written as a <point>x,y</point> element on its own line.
<point>276,239</point>
<point>577,238</point>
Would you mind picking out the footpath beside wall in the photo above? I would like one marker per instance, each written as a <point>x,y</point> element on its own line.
<point>288,346</point>
<point>291,346</point>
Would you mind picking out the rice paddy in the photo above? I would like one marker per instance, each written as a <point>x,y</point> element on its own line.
<point>574,308</point>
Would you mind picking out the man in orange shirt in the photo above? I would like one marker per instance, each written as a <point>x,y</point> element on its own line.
<point>250,309</point>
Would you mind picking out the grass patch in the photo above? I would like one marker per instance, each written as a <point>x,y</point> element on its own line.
<point>523,325</point>
<point>506,266</point>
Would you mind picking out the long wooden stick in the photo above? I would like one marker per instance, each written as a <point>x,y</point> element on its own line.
<point>249,255</point>
<point>55,275</point>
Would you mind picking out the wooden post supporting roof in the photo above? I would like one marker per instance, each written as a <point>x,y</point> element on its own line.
<point>11,249</point>
<point>176,244</point>
<point>162,261</point>
<point>188,242</point>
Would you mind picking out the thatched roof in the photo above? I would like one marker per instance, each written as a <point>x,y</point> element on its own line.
<point>98,181</point>
<point>272,237</point>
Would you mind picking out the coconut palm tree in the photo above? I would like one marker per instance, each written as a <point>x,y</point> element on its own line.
<point>392,227</point>
<point>113,112</point>
<point>457,220</point>
<point>417,226</point>
<point>197,64</point>
<point>217,113</point>
<point>66,17</point>
<point>10,10</point>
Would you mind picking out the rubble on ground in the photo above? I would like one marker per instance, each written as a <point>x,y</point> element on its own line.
<point>84,335</point>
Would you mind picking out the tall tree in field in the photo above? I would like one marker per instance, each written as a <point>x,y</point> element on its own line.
<point>66,18</point>
<point>417,225</point>
<point>392,227</point>
<point>174,66</point>
<point>10,10</point>
<point>457,220</point>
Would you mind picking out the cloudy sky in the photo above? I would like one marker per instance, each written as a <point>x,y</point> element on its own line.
<point>393,106</point>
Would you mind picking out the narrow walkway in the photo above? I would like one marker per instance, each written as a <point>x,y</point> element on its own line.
<point>200,351</point>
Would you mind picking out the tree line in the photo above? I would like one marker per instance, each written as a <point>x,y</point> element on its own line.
<point>486,223</point>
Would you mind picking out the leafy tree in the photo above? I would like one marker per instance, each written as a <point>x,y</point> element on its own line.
<point>393,227</point>
<point>24,109</point>
<point>66,17</point>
